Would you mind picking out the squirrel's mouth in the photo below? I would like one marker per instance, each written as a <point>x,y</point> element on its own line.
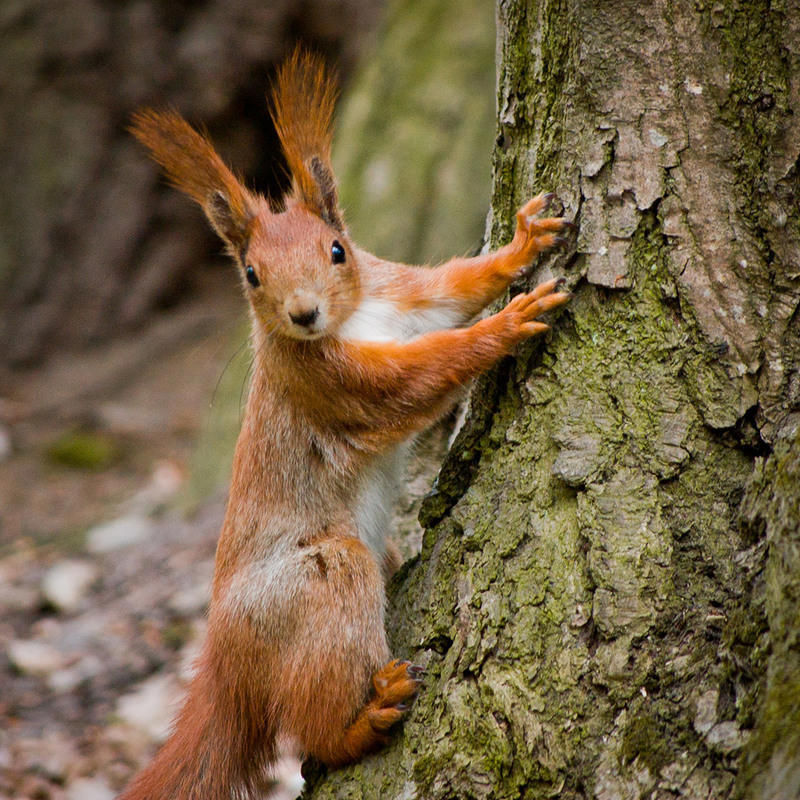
<point>304,316</point>
<point>305,324</point>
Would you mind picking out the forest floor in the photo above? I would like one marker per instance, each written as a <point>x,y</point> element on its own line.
<point>105,562</point>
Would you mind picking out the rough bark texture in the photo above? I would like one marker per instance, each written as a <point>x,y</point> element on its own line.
<point>600,614</point>
<point>770,767</point>
<point>91,240</point>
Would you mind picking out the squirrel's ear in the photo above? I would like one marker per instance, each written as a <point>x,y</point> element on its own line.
<point>325,195</point>
<point>303,101</point>
<point>230,218</point>
<point>191,163</point>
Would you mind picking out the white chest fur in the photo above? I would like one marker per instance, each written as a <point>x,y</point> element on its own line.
<point>380,320</point>
<point>376,497</point>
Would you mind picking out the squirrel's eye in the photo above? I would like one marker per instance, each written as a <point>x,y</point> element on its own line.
<point>337,253</point>
<point>252,278</point>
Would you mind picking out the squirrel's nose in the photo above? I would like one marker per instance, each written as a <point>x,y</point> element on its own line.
<point>305,318</point>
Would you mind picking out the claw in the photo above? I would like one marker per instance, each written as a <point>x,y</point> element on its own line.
<point>416,671</point>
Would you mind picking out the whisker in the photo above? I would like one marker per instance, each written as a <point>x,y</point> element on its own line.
<point>245,381</point>
<point>269,331</point>
<point>225,369</point>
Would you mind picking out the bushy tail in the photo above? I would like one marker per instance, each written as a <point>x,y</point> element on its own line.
<point>213,753</point>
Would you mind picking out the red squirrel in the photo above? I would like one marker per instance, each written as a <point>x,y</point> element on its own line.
<point>353,355</point>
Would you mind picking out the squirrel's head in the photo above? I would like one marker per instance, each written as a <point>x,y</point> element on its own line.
<point>300,273</point>
<point>297,266</point>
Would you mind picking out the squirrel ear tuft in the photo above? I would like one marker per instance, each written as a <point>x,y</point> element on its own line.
<point>193,166</point>
<point>303,101</point>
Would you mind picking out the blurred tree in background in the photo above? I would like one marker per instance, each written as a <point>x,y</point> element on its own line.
<point>91,240</point>
<point>415,132</point>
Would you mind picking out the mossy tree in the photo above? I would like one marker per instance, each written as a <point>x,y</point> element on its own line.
<point>606,600</point>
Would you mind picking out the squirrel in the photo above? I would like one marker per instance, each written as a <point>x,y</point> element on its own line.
<point>353,356</point>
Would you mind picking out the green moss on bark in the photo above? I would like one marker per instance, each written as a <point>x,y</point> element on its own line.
<point>770,765</point>
<point>644,740</point>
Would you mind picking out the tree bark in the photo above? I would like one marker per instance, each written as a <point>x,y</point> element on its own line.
<point>600,613</point>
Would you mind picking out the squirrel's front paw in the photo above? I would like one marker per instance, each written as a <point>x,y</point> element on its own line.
<point>396,685</point>
<point>524,308</point>
<point>534,235</point>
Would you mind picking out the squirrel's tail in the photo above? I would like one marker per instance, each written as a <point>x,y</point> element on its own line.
<point>215,745</point>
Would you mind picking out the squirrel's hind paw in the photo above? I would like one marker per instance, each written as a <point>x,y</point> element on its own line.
<point>396,685</point>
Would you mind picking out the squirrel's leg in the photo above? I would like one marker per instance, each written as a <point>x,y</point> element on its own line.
<point>337,694</point>
<point>394,686</point>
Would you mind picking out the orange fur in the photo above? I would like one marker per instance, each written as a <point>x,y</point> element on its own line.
<point>303,102</point>
<point>296,644</point>
<point>194,167</point>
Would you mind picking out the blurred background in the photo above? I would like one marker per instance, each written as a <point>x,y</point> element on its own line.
<point>123,338</point>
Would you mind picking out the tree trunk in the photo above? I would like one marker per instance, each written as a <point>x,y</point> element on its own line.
<point>600,614</point>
